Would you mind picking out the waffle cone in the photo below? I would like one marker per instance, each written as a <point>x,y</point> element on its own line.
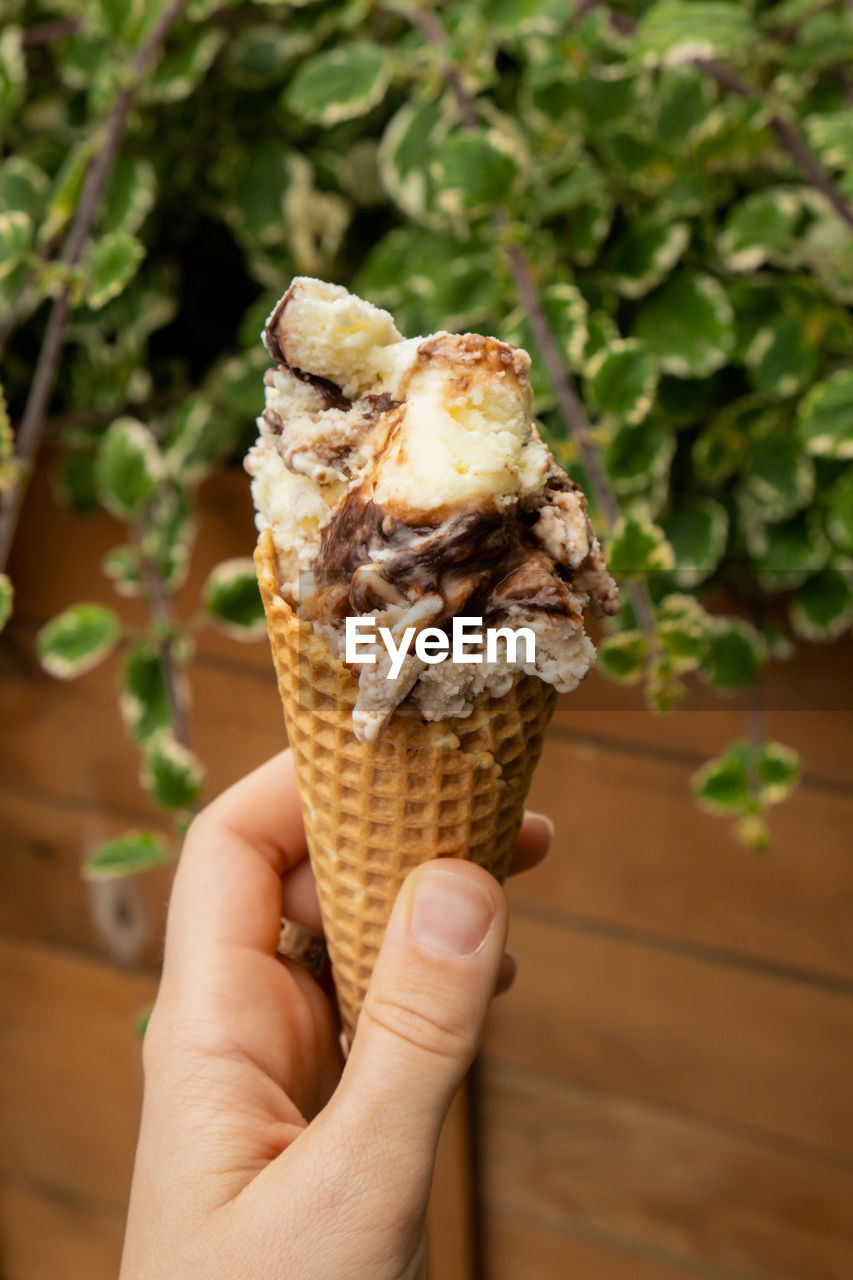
<point>451,788</point>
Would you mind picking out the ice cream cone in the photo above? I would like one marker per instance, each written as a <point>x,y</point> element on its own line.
<point>450,788</point>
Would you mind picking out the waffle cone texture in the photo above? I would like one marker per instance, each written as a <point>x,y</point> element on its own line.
<point>450,788</point>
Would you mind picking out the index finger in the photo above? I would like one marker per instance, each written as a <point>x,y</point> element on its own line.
<point>227,888</point>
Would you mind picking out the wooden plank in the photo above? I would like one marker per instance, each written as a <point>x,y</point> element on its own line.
<point>560,1156</point>
<point>532,1251</point>
<point>43,895</point>
<point>70,1071</point>
<point>727,1044</point>
<point>67,739</point>
<point>642,856</point>
<point>226,528</point>
<point>632,849</point>
<point>450,1218</point>
<point>809,701</point>
<point>43,1236</point>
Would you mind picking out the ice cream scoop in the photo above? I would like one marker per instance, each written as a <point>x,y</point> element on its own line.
<point>404,479</point>
<point>403,490</point>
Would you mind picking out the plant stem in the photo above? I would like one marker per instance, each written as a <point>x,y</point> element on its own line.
<point>31,429</point>
<point>798,150</point>
<point>791,141</point>
<point>571,407</point>
<point>161,609</point>
<point>47,32</point>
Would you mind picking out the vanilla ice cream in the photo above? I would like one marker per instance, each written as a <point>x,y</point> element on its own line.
<point>404,480</point>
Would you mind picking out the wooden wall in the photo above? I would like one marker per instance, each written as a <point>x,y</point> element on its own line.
<point>665,1093</point>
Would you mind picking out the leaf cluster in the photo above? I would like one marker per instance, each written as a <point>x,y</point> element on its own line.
<point>698,283</point>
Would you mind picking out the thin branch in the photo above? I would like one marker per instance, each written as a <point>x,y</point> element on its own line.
<point>48,32</point>
<point>803,156</point>
<point>161,609</point>
<point>800,153</point>
<point>571,407</point>
<point>32,423</point>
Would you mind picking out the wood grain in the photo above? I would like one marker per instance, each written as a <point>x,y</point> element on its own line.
<point>532,1251</point>
<point>70,1071</point>
<point>235,718</point>
<point>451,1253</point>
<point>558,1156</point>
<point>47,1235</point>
<point>631,849</point>
<point>726,1044</point>
<point>43,895</point>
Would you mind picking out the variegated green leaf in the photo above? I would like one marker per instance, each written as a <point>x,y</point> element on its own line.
<point>839,512</point>
<point>168,535</point>
<point>638,545</point>
<point>171,773</point>
<point>587,228</point>
<point>683,630</point>
<point>822,608</point>
<point>23,186</point>
<point>831,135</point>
<point>782,357</point>
<point>16,231</point>
<point>638,457</point>
<point>474,171</point>
<point>735,654</point>
<point>621,381</point>
<point>121,566</point>
<point>233,601</point>
<point>65,189</point>
<point>682,100</point>
<point>689,325</point>
<point>542,17</point>
<point>672,32</point>
<point>339,84</point>
<point>453,286</point>
<point>143,692</point>
<point>601,332</point>
<point>759,228</point>
<point>825,418</point>
<point>786,554</point>
<point>408,145</point>
<point>779,772</point>
<point>723,785</point>
<point>644,255</point>
<point>130,195</point>
<point>180,71</point>
<point>129,467</point>
<point>127,855</point>
<point>621,657</point>
<point>778,479</point>
<point>77,640</point>
<point>721,449</point>
<point>565,311</point>
<point>263,54</point>
<point>111,265</point>
<point>697,531</point>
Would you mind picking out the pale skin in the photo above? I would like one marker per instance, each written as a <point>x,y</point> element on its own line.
<point>261,1155</point>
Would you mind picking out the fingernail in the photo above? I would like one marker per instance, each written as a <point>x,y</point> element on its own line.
<point>450,913</point>
<point>541,820</point>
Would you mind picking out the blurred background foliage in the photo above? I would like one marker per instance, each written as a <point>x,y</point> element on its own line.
<point>665,188</point>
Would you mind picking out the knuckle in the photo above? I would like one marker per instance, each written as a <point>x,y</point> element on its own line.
<point>431,1028</point>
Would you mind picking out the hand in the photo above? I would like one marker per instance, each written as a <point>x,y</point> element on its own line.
<point>257,1158</point>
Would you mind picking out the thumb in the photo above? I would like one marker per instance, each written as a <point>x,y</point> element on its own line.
<point>423,1017</point>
